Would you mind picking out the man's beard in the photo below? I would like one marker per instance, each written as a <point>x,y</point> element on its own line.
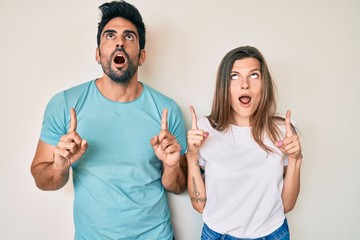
<point>120,76</point>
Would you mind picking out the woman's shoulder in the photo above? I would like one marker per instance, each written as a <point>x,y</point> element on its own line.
<point>204,123</point>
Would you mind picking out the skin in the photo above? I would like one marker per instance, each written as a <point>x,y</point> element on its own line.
<point>51,164</point>
<point>290,145</point>
<point>246,80</point>
<point>196,185</point>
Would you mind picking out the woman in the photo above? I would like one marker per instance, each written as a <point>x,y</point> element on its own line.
<point>251,157</point>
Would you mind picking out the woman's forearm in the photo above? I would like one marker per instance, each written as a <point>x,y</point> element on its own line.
<point>291,187</point>
<point>196,184</point>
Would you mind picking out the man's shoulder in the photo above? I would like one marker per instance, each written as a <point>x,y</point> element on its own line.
<point>79,88</point>
<point>156,94</point>
<point>71,94</point>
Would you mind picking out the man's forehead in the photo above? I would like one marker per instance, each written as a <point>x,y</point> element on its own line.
<point>120,24</point>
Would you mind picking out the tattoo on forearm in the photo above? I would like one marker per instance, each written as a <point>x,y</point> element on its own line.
<point>195,190</point>
<point>196,193</point>
<point>197,162</point>
<point>197,200</point>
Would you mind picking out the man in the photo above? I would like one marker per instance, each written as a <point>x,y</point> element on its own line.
<point>124,141</point>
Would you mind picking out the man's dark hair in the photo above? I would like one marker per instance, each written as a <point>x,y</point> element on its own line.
<point>125,10</point>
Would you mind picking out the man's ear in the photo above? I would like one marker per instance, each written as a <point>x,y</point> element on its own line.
<point>142,57</point>
<point>97,55</point>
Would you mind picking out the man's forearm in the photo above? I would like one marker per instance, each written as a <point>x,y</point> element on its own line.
<point>49,177</point>
<point>174,178</point>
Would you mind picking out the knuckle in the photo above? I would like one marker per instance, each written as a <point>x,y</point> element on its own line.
<point>67,154</point>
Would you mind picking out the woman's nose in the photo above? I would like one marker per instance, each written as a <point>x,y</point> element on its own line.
<point>244,84</point>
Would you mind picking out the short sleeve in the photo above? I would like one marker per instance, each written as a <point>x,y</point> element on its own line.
<point>55,120</point>
<point>177,126</point>
<point>201,161</point>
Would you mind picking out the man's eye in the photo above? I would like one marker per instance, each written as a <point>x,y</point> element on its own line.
<point>234,76</point>
<point>110,36</point>
<point>129,37</point>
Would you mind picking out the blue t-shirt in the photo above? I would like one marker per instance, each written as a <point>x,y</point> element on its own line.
<point>117,182</point>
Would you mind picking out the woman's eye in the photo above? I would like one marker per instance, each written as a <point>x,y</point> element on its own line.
<point>129,37</point>
<point>234,76</point>
<point>254,76</point>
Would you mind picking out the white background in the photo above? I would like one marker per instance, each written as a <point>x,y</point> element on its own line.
<point>312,48</point>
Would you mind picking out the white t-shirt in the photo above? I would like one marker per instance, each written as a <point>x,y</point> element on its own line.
<point>243,182</point>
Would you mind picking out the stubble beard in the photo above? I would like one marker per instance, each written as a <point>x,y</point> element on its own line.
<point>120,76</point>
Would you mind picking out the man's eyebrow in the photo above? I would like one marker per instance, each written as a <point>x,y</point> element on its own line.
<point>109,31</point>
<point>114,31</point>
<point>130,31</point>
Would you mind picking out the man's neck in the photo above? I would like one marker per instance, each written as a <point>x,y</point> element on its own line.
<point>119,92</point>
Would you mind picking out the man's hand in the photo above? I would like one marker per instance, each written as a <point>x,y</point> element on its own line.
<point>165,145</point>
<point>71,146</point>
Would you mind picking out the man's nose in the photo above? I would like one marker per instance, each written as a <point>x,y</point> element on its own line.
<point>120,46</point>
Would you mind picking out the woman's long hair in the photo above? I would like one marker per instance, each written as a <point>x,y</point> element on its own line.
<point>263,121</point>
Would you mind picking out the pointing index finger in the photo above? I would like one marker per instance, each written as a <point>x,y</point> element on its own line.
<point>193,118</point>
<point>164,125</point>
<point>73,121</point>
<point>289,131</point>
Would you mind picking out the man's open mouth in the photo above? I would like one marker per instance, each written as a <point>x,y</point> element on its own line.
<point>119,59</point>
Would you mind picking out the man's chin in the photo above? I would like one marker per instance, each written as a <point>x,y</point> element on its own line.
<point>120,77</point>
<point>120,81</point>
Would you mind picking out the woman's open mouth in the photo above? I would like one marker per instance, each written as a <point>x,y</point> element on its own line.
<point>245,99</point>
